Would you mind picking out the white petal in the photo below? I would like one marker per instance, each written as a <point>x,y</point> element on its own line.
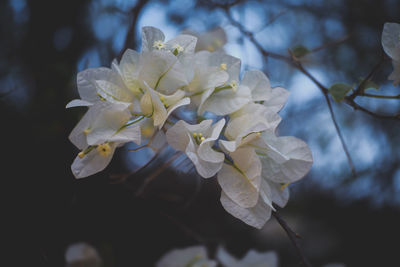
<point>227,101</point>
<point>205,168</point>
<point>149,36</point>
<point>177,136</point>
<point>242,186</point>
<point>77,136</point>
<point>232,64</point>
<point>187,42</point>
<point>280,195</point>
<point>391,41</point>
<point>113,92</point>
<point>258,84</point>
<point>129,134</point>
<point>88,87</point>
<point>162,71</point>
<point>205,150</point>
<point>395,75</point>
<point>288,159</point>
<point>277,99</point>
<point>159,113</point>
<point>183,102</point>
<point>78,103</point>
<point>91,163</point>
<point>130,67</point>
<point>107,123</point>
<point>255,216</point>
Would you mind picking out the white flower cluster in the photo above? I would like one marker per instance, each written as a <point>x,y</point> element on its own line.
<point>253,165</point>
<point>197,256</point>
<point>391,45</point>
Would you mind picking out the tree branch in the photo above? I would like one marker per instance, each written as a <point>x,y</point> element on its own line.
<point>293,238</point>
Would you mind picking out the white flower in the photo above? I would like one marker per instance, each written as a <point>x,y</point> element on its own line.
<point>82,254</point>
<point>159,106</point>
<point>104,127</point>
<point>197,141</point>
<point>391,45</point>
<point>192,256</point>
<point>153,39</point>
<point>251,259</point>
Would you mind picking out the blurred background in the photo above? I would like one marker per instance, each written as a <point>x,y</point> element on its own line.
<point>341,218</point>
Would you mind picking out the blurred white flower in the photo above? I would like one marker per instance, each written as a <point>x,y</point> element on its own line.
<point>82,255</point>
<point>251,259</point>
<point>391,45</point>
<point>192,256</point>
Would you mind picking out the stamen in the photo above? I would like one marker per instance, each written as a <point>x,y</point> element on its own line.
<point>177,48</point>
<point>86,131</point>
<point>202,139</point>
<point>223,66</point>
<point>81,154</point>
<point>159,44</point>
<point>284,186</point>
<point>104,149</point>
<point>234,85</point>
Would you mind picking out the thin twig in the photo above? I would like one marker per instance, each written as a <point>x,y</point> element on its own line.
<point>293,238</point>
<point>130,37</point>
<point>360,87</point>
<point>295,64</point>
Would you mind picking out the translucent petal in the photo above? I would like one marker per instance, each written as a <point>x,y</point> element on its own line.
<point>258,84</point>
<point>242,183</point>
<point>91,163</point>
<point>149,36</point>
<point>391,40</point>
<point>255,216</point>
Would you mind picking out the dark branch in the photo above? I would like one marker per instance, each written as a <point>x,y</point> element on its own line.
<point>293,238</point>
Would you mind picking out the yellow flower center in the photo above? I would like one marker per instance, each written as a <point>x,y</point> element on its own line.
<point>159,44</point>
<point>104,149</point>
<point>223,66</point>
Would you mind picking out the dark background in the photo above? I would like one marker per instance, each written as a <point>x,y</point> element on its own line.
<point>43,44</point>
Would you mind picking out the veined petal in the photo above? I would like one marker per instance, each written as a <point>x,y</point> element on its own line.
<point>107,122</point>
<point>205,150</point>
<point>91,163</point>
<point>183,102</point>
<point>206,169</point>
<point>129,134</point>
<point>227,101</point>
<point>177,136</point>
<point>242,181</point>
<point>187,42</point>
<point>278,99</point>
<point>162,71</point>
<point>130,69</point>
<point>391,40</point>
<point>255,216</point>
<point>149,36</point>
<point>258,84</point>
<point>78,136</point>
<point>287,159</point>
<point>113,92</point>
